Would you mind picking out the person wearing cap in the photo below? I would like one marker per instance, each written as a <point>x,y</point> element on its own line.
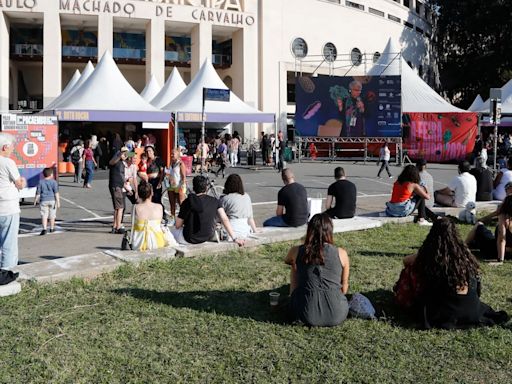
<point>460,191</point>
<point>503,177</point>
<point>484,181</point>
<point>426,180</point>
<point>116,180</point>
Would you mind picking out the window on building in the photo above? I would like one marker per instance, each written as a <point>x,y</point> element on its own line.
<point>408,25</point>
<point>330,52</point>
<point>299,48</point>
<point>409,64</point>
<point>376,57</point>
<point>356,56</point>
<point>397,1</point>
<point>332,1</point>
<point>419,30</point>
<point>419,6</point>
<point>420,70</point>
<point>394,18</point>
<point>354,5</point>
<point>407,3</point>
<point>376,12</point>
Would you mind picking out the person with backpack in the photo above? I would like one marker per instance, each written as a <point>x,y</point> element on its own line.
<point>76,155</point>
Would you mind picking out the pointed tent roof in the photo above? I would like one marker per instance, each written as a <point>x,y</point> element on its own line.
<point>107,96</point>
<point>151,89</point>
<point>65,91</point>
<point>188,103</point>
<point>477,104</point>
<point>417,96</point>
<point>171,89</point>
<point>506,100</point>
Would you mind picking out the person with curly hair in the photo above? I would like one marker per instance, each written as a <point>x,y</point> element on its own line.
<point>319,276</point>
<point>448,278</point>
<point>408,195</point>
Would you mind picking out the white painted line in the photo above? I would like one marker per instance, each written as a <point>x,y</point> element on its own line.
<point>362,194</point>
<point>376,181</point>
<point>265,203</point>
<point>379,195</point>
<point>79,206</point>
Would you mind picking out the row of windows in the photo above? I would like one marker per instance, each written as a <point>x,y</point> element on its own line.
<point>329,52</point>
<point>377,12</point>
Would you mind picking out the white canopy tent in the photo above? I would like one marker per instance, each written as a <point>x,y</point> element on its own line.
<point>151,89</point>
<point>417,96</point>
<point>67,90</point>
<point>189,103</point>
<point>506,100</point>
<point>171,89</point>
<point>477,104</point>
<point>107,96</point>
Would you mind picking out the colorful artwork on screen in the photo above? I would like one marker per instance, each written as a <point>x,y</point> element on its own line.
<point>348,106</point>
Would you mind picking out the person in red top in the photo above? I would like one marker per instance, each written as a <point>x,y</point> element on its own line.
<point>408,195</point>
<point>90,163</point>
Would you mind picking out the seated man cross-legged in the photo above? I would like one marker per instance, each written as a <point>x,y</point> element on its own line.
<point>197,219</point>
<point>292,203</point>
<point>460,191</point>
<point>344,194</point>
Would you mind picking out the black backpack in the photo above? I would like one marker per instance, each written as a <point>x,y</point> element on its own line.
<point>75,156</point>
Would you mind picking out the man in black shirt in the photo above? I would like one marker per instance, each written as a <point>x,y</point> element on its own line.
<point>116,181</point>
<point>292,203</point>
<point>197,219</point>
<point>484,181</point>
<point>344,194</point>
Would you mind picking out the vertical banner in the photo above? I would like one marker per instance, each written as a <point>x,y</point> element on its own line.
<point>36,146</point>
<point>359,106</point>
<point>439,137</point>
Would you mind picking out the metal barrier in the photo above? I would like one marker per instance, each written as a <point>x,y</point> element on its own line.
<point>332,148</point>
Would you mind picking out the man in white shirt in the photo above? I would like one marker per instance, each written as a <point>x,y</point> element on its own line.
<point>10,184</point>
<point>460,191</point>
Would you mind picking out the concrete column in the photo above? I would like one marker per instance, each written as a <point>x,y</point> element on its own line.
<point>245,72</point>
<point>155,50</point>
<point>4,62</point>
<point>52,57</point>
<point>105,34</point>
<point>201,46</point>
<point>14,86</point>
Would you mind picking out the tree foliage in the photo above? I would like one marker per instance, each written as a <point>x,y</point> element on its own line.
<point>473,47</point>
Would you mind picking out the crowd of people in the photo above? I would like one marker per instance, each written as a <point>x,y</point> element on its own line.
<point>440,283</point>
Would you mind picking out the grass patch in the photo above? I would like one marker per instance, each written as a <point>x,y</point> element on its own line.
<point>207,320</point>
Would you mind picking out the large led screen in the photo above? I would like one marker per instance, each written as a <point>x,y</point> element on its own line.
<point>360,106</point>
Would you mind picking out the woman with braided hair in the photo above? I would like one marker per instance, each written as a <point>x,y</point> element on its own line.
<point>319,276</point>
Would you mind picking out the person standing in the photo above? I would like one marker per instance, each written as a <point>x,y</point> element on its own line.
<point>155,174</point>
<point>344,194</point>
<point>384,156</point>
<point>116,180</point>
<point>48,197</point>
<point>90,164</point>
<point>177,191</point>
<point>234,143</point>
<point>76,155</point>
<point>10,184</point>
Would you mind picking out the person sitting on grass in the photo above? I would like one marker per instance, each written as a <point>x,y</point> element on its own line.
<point>197,219</point>
<point>344,194</point>
<point>147,231</point>
<point>319,276</point>
<point>448,282</point>
<point>48,197</point>
<point>460,191</point>
<point>408,195</point>
<point>494,247</point>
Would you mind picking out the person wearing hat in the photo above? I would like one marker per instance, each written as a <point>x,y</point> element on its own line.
<point>116,180</point>
<point>484,180</point>
<point>426,180</point>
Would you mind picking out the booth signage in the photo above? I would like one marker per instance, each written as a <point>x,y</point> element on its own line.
<point>214,94</point>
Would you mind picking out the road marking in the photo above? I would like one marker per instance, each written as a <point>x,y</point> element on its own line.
<point>79,206</point>
<point>376,181</point>
<point>379,195</point>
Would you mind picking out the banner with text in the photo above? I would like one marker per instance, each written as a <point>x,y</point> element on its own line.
<point>439,137</point>
<point>362,106</point>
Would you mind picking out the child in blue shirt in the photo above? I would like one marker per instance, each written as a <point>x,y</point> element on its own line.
<point>47,195</point>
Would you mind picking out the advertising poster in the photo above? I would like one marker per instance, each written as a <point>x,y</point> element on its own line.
<point>361,106</point>
<point>439,137</point>
<point>36,146</point>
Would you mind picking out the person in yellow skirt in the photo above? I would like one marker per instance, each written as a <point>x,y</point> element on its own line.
<point>147,230</point>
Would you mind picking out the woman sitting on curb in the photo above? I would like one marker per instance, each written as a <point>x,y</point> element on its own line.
<point>408,195</point>
<point>319,276</point>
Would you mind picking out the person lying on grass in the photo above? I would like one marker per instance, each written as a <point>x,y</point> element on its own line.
<point>448,284</point>
<point>319,276</point>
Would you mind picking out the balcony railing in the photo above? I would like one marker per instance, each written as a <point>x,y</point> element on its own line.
<point>76,51</point>
<point>28,49</point>
<point>129,53</point>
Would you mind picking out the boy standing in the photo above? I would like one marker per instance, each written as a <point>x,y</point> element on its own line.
<point>47,195</point>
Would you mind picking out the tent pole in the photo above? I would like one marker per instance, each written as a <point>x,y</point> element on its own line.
<point>203,122</point>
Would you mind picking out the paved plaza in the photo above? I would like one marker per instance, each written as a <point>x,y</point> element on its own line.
<point>85,217</point>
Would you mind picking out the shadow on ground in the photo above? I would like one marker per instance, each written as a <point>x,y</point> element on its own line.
<point>243,304</point>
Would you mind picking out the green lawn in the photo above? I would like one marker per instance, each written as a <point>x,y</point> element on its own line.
<point>208,320</point>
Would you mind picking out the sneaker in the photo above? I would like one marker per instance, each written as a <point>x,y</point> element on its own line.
<point>52,230</point>
<point>43,232</point>
<point>113,230</point>
<point>378,177</point>
<point>390,176</point>
<point>424,223</point>
<point>121,230</point>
